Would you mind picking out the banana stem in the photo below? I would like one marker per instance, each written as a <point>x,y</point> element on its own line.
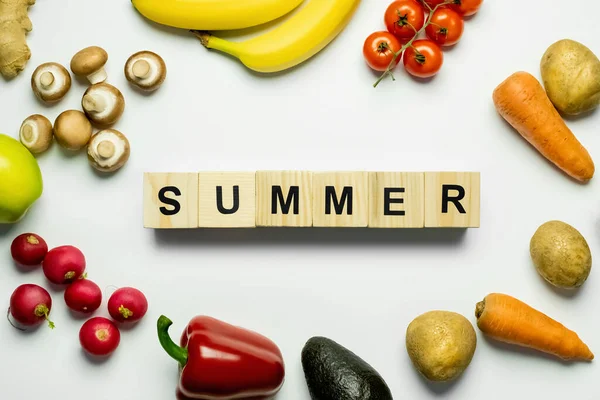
<point>212,42</point>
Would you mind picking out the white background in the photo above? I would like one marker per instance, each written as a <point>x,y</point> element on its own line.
<point>359,287</point>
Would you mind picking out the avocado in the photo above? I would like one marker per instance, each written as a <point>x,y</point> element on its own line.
<point>333,372</point>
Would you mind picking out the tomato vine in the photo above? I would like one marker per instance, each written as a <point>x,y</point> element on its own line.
<point>419,57</point>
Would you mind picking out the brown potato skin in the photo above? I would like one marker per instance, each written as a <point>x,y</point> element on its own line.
<point>571,75</point>
<point>441,344</point>
<point>561,255</point>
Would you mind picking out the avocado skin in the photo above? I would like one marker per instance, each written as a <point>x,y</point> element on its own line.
<point>333,372</point>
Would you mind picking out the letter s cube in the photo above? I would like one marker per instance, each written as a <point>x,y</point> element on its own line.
<point>170,200</point>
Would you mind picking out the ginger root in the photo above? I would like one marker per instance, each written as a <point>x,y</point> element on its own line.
<point>14,26</point>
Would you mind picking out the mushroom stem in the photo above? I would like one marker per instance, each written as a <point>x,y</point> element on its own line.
<point>141,69</point>
<point>47,79</point>
<point>93,102</point>
<point>28,133</point>
<point>106,149</point>
<point>98,76</point>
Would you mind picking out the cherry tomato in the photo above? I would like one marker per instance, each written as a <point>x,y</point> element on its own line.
<point>433,3</point>
<point>403,18</point>
<point>446,27</point>
<point>467,7</point>
<point>379,49</point>
<point>423,59</point>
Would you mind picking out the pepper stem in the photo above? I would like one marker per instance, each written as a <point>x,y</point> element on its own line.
<point>178,353</point>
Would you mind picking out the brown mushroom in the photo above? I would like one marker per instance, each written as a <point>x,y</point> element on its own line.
<point>108,150</point>
<point>50,82</point>
<point>36,133</point>
<point>90,62</point>
<point>103,104</point>
<point>72,130</point>
<point>146,70</point>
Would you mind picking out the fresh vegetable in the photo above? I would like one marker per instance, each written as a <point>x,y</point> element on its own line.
<point>333,372</point>
<point>108,150</point>
<point>423,59</point>
<point>214,15</point>
<point>379,49</point>
<point>441,344</point>
<point>103,104</point>
<point>89,63</point>
<point>36,133</point>
<point>561,255</point>
<point>72,130</point>
<point>21,183</point>
<point>50,82</point>
<point>28,249</point>
<point>522,102</point>
<point>248,365</point>
<point>510,320</point>
<point>83,296</point>
<point>403,18</point>
<point>467,7</point>
<point>146,70</point>
<point>30,305</point>
<point>99,336</point>
<point>446,27</point>
<point>127,304</point>
<point>14,26</point>
<point>64,264</point>
<point>294,41</point>
<point>433,3</point>
<point>571,76</point>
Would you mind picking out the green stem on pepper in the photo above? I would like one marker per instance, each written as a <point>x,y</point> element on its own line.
<point>178,353</point>
<point>392,64</point>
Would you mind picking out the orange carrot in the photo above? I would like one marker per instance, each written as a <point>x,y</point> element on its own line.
<point>523,103</point>
<point>509,320</point>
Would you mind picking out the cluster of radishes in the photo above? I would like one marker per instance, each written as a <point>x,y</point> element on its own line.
<point>65,266</point>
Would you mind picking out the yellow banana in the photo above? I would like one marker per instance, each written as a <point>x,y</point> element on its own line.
<point>296,40</point>
<point>214,14</point>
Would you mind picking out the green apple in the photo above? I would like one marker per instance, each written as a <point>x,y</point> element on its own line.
<point>21,181</point>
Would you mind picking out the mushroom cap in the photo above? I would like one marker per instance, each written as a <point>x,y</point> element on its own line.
<point>103,104</point>
<point>108,150</point>
<point>88,60</point>
<point>146,70</point>
<point>35,133</point>
<point>50,82</point>
<point>72,130</point>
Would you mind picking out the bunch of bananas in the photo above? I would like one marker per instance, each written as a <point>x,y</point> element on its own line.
<point>294,41</point>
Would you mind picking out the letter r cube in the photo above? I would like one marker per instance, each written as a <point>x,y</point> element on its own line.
<point>452,199</point>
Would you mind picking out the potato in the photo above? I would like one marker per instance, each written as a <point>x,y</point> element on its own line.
<point>561,255</point>
<point>441,344</point>
<point>571,76</point>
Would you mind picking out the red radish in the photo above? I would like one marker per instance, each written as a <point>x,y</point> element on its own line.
<point>127,304</point>
<point>30,305</point>
<point>64,264</point>
<point>83,296</point>
<point>28,249</point>
<point>99,336</point>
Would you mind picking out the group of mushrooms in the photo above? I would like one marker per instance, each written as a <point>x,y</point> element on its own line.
<point>102,103</point>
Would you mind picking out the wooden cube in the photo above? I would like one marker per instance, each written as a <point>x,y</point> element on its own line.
<point>284,199</point>
<point>397,200</point>
<point>452,199</point>
<point>340,199</point>
<point>226,199</point>
<point>170,200</point>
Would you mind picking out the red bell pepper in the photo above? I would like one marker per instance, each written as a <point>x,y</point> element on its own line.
<point>219,361</point>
